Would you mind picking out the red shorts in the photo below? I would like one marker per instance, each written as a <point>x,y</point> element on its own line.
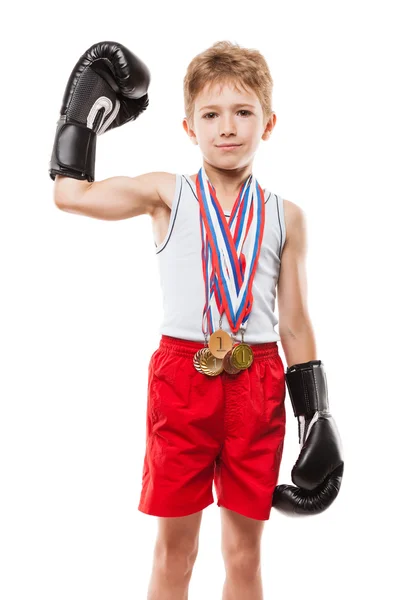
<point>226,429</point>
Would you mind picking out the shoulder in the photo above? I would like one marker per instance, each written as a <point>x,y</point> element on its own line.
<point>295,220</point>
<point>164,184</point>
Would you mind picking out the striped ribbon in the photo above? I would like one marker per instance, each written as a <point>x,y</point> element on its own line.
<point>229,264</point>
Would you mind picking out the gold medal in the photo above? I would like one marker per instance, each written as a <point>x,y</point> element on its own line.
<point>242,356</point>
<point>209,364</point>
<point>220,343</point>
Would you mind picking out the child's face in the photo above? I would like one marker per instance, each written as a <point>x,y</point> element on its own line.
<point>226,123</point>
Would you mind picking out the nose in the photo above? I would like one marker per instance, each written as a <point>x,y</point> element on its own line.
<point>227,126</point>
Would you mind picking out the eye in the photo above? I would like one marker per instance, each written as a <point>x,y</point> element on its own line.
<point>211,113</point>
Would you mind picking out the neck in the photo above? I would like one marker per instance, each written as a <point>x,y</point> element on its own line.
<point>227,182</point>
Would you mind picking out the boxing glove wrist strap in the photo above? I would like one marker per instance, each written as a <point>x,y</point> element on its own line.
<point>74,151</point>
<point>308,388</point>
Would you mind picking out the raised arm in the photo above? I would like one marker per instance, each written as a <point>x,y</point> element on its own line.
<point>106,89</point>
<point>111,199</point>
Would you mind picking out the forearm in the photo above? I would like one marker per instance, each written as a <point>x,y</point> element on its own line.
<point>298,343</point>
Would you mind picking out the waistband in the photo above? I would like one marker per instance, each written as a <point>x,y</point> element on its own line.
<point>189,347</point>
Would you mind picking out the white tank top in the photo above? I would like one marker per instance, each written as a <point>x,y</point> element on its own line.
<point>181,271</point>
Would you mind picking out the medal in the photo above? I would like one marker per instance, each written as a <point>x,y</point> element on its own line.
<point>227,364</point>
<point>210,365</point>
<point>242,355</point>
<point>207,363</point>
<point>220,342</point>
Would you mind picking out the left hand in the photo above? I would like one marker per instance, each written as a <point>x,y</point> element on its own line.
<point>318,470</point>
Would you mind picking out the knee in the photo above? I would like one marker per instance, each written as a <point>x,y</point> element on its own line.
<point>243,563</point>
<point>176,558</point>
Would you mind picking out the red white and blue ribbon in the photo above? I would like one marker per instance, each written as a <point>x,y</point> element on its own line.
<point>230,251</point>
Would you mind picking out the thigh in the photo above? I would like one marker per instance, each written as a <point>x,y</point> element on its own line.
<point>239,533</point>
<point>179,533</point>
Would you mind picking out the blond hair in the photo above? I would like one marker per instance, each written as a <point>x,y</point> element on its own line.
<point>227,62</point>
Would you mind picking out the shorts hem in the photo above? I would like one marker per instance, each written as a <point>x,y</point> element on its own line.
<point>172,511</point>
<point>259,516</point>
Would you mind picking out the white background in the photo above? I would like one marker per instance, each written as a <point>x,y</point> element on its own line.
<point>81,303</point>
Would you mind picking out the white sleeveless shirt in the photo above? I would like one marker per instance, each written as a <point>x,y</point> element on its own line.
<point>181,272</point>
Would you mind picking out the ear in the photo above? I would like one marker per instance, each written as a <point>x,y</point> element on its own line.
<point>269,127</point>
<point>189,131</point>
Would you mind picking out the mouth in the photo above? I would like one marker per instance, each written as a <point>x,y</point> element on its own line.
<point>226,146</point>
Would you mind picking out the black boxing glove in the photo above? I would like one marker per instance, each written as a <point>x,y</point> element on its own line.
<point>318,470</point>
<point>106,89</point>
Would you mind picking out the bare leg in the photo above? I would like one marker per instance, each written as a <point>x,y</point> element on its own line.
<point>241,550</point>
<point>174,557</point>
<point>238,587</point>
<point>170,579</point>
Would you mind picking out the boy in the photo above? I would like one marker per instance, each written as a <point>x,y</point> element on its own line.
<point>216,390</point>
